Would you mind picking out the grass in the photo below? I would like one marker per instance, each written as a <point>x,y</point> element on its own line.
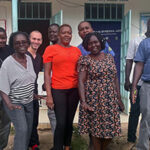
<point>78,142</point>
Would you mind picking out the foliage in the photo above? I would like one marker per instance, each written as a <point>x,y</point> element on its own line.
<point>78,142</point>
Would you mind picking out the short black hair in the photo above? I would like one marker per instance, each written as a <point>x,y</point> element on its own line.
<point>54,24</point>
<point>14,34</point>
<point>99,37</point>
<point>83,22</point>
<point>64,25</point>
<point>148,29</point>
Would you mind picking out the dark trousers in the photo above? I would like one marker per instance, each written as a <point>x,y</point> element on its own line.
<point>34,135</point>
<point>134,118</point>
<point>4,126</point>
<point>65,102</point>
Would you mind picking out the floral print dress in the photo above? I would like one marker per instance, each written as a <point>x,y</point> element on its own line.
<point>101,95</point>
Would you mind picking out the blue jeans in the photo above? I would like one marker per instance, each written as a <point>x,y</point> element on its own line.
<point>134,118</point>
<point>4,126</point>
<point>22,120</point>
<point>144,133</point>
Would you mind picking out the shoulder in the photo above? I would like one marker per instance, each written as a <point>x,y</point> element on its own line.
<point>145,43</point>
<point>84,59</point>
<point>76,49</point>
<point>52,47</point>
<point>80,46</point>
<point>109,56</point>
<point>28,57</point>
<point>7,61</point>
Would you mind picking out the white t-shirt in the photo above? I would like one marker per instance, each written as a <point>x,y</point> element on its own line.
<point>132,49</point>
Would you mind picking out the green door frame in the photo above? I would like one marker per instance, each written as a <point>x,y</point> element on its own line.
<point>125,38</point>
<point>14,15</point>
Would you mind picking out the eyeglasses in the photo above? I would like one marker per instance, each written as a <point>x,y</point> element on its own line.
<point>21,42</point>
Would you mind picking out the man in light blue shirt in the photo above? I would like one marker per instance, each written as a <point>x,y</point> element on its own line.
<point>84,28</point>
<point>142,69</point>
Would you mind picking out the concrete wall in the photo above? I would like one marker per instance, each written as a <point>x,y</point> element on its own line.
<point>73,13</point>
<point>5,13</point>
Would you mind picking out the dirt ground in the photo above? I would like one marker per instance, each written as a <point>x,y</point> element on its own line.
<point>46,142</point>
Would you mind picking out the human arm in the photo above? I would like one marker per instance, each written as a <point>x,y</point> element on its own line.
<point>132,48</point>
<point>121,105</point>
<point>47,82</point>
<point>8,102</point>
<point>81,79</point>
<point>136,76</point>
<point>128,68</point>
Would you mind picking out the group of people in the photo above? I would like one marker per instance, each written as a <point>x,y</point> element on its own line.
<point>139,52</point>
<point>86,73</point>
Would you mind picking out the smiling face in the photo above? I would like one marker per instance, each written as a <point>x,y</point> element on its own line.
<point>20,44</point>
<point>3,39</point>
<point>53,34</point>
<point>35,40</point>
<point>84,28</point>
<point>94,45</point>
<point>65,35</point>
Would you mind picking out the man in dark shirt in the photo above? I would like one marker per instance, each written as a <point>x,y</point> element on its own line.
<point>53,38</point>
<point>35,42</point>
<point>5,51</point>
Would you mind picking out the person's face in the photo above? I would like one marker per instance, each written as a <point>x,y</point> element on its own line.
<point>53,34</point>
<point>20,44</point>
<point>65,35</point>
<point>94,45</point>
<point>84,29</point>
<point>35,40</point>
<point>3,39</point>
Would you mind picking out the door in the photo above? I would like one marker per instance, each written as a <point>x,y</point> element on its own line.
<point>40,25</point>
<point>57,18</point>
<point>125,38</point>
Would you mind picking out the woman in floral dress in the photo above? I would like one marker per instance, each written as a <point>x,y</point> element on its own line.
<point>99,93</point>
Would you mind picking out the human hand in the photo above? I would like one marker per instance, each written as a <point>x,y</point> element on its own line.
<point>39,97</point>
<point>86,106</point>
<point>43,87</point>
<point>127,85</point>
<point>49,103</point>
<point>13,106</point>
<point>121,105</point>
<point>134,95</point>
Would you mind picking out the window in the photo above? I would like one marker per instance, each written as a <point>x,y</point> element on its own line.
<point>34,10</point>
<point>104,11</point>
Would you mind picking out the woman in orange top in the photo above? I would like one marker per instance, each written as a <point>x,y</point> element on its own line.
<point>62,93</point>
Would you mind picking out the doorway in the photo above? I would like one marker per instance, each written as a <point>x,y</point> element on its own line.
<point>40,25</point>
<point>111,30</point>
